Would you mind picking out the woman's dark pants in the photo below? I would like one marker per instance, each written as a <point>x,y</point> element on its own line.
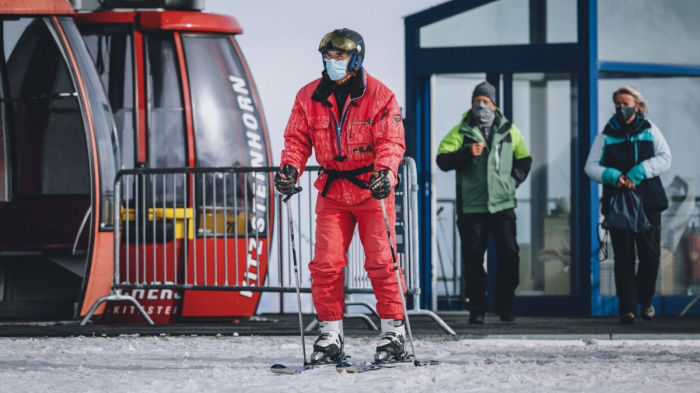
<point>640,288</point>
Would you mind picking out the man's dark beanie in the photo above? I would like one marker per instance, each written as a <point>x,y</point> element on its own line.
<point>485,89</point>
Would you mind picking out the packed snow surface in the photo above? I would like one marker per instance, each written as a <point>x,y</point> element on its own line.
<point>241,364</point>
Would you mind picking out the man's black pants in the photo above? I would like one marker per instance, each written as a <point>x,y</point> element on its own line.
<point>474,230</point>
<point>639,288</point>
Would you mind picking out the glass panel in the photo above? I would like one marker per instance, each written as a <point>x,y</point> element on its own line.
<point>166,122</point>
<point>649,31</point>
<point>227,122</point>
<point>166,114</point>
<point>42,114</point>
<point>102,120</point>
<point>562,23</point>
<point>111,49</point>
<point>4,167</point>
<point>543,110</point>
<point>11,32</point>
<point>676,116</point>
<point>502,22</point>
<point>451,95</point>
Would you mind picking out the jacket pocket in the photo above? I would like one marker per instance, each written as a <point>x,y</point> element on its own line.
<point>504,158</point>
<point>503,191</point>
<point>359,140</point>
<point>322,138</point>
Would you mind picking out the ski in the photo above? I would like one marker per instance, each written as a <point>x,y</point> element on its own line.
<point>282,369</point>
<point>364,367</point>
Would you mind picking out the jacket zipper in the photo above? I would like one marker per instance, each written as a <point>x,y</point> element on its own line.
<point>627,151</point>
<point>498,156</point>
<point>386,112</point>
<point>337,130</point>
<point>339,127</point>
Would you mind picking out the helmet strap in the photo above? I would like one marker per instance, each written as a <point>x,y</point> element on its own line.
<point>351,66</point>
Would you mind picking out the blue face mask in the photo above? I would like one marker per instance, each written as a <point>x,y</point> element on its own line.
<point>337,70</point>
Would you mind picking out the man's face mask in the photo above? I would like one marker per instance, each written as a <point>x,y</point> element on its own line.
<point>623,113</point>
<point>337,69</point>
<point>482,113</point>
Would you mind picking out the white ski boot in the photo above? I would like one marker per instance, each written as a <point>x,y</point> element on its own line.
<point>328,347</point>
<point>391,346</point>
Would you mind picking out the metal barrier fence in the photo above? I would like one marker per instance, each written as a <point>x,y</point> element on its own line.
<point>216,229</point>
<point>449,255</point>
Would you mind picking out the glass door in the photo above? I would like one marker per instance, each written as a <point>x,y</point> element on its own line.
<point>543,107</point>
<point>451,99</point>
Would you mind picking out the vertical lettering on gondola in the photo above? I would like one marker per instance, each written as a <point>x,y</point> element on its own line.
<point>256,149</point>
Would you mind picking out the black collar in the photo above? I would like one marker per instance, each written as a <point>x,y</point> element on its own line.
<point>326,85</point>
<point>613,128</point>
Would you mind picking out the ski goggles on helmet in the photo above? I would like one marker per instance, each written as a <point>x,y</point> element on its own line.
<point>337,41</point>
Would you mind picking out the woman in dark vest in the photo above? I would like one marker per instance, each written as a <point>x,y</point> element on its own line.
<point>631,153</point>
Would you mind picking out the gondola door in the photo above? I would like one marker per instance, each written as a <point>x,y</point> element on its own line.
<point>229,131</point>
<point>57,147</point>
<point>140,72</point>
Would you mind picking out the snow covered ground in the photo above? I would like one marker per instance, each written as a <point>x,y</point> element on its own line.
<point>241,364</point>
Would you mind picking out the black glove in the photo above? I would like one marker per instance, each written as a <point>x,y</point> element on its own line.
<point>380,186</point>
<point>286,179</point>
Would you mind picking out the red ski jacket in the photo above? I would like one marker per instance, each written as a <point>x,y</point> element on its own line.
<point>367,135</point>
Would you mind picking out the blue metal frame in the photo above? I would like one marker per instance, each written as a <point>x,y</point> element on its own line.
<point>581,59</point>
<point>649,68</point>
<point>585,192</point>
<point>421,63</point>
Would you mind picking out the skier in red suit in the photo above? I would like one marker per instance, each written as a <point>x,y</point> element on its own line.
<point>354,125</point>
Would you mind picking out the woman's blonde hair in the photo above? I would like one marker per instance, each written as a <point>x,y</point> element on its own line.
<point>638,98</point>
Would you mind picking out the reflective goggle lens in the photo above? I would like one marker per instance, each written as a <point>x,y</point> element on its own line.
<point>337,41</point>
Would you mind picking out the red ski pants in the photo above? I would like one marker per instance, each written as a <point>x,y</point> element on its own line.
<point>335,226</point>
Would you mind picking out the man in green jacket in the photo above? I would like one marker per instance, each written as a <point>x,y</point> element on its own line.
<point>489,154</point>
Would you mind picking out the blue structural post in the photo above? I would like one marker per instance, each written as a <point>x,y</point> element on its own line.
<point>585,194</point>
<point>417,127</point>
<point>425,194</point>
<point>507,102</point>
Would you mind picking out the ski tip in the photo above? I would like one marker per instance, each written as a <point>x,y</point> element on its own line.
<point>280,369</point>
<point>278,366</point>
<point>345,366</point>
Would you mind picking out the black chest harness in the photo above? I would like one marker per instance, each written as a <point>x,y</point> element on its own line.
<point>351,176</point>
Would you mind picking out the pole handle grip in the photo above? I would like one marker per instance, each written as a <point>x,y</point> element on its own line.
<point>296,190</point>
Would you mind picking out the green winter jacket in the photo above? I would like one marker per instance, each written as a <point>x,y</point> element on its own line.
<point>485,184</point>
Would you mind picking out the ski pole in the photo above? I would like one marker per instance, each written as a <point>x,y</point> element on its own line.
<point>296,190</point>
<point>398,281</point>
